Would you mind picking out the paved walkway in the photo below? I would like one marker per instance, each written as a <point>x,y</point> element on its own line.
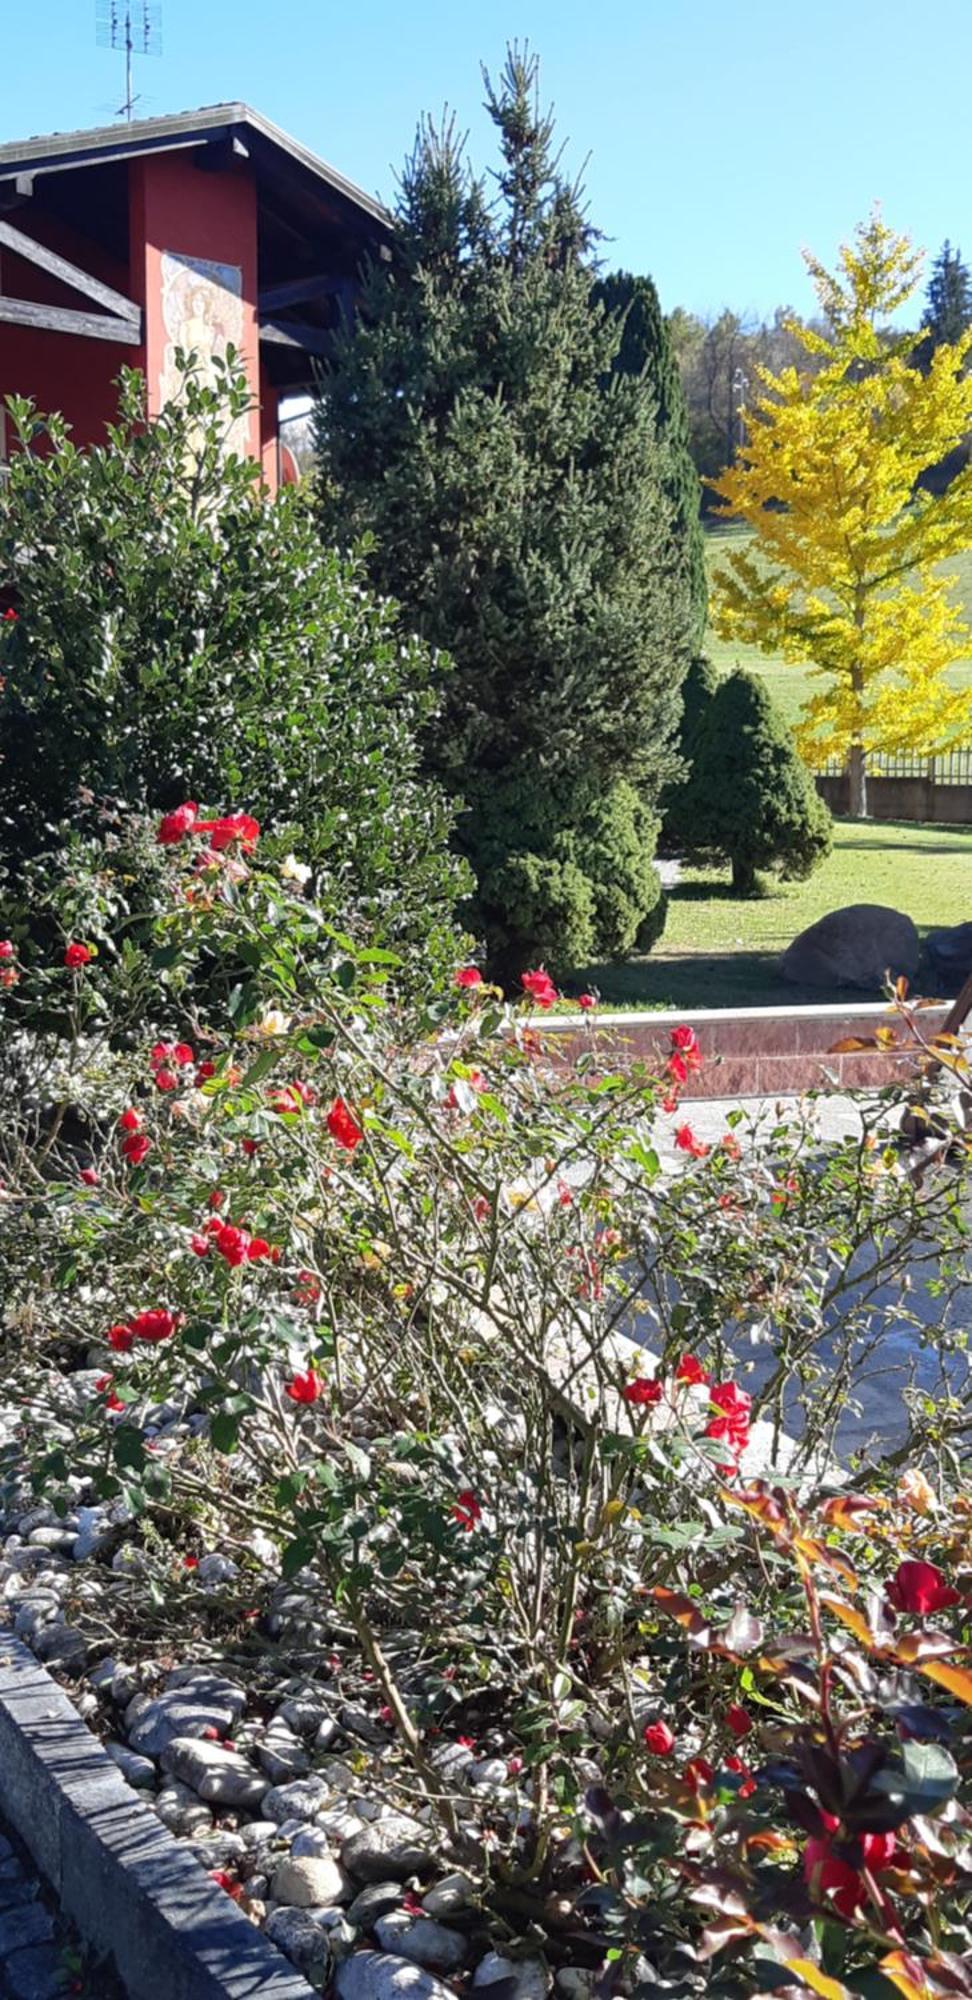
<point>903,1361</point>
<point>39,1954</point>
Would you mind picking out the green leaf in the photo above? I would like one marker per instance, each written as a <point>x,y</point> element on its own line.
<point>128,1449</point>
<point>224,1431</point>
<point>258,1070</point>
<point>297,1555</point>
<point>926,1777</point>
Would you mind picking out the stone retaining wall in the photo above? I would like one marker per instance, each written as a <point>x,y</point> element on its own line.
<point>752,1051</point>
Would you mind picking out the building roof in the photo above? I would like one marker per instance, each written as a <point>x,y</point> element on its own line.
<point>58,152</point>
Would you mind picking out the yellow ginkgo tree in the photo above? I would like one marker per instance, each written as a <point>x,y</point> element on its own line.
<point>842,574</point>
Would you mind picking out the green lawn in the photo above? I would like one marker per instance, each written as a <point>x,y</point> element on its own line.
<point>719,950</point>
<point>790,686</point>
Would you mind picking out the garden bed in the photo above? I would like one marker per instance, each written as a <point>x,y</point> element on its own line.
<point>466,1645</point>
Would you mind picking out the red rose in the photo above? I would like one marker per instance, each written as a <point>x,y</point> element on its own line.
<point>10,616</point>
<point>467,977</point>
<point>120,1338</point>
<point>257,1248</point>
<point>920,1588</point>
<point>658,1739</point>
<point>135,1148</point>
<point>303,1388</point>
<point>739,1720</point>
<point>175,825</point>
<point>199,1244</point>
<point>216,1198</point>
<point>698,1772</point>
<point>690,1370</point>
<point>166,1079</point>
<point>113,1403</point>
<point>540,987</point>
<point>154,1325</point>
<point>748,1786</point>
<point>731,1426</point>
<point>130,1120</point>
<point>343,1125</point>
<point>7,948</point>
<point>232,1243</point>
<point>685,1040</point>
<point>76,955</point>
<point>89,1176</point>
<point>586,1001</point>
<point>643,1390</point>
<point>467,1510</point>
<point>687,1142</point>
<point>233,826</point>
<point>204,1071</point>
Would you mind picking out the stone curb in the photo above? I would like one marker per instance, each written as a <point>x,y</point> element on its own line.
<point>121,1877</point>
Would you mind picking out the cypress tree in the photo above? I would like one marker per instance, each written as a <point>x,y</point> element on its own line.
<point>645,349</point>
<point>514,493</point>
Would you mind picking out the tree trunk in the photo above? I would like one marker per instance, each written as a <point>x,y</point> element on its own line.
<point>743,877</point>
<point>857,781</point>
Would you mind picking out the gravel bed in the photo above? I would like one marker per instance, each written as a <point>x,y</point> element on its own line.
<point>280,1769</point>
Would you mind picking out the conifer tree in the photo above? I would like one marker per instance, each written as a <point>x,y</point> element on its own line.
<point>645,349</point>
<point>516,493</point>
<point>948,312</point>
<point>750,797</point>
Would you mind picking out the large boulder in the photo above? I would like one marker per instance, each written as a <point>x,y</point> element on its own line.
<point>950,953</point>
<point>858,946</point>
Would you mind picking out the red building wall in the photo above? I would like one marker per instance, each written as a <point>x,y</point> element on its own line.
<point>60,371</point>
<point>178,212</point>
<point>179,217</point>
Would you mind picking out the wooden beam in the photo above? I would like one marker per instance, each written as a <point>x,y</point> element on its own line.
<point>17,189</point>
<point>298,290</point>
<point>287,333</point>
<point>220,153</point>
<point>58,319</point>
<point>69,274</point>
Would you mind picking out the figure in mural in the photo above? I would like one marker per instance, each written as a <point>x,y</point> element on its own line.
<point>202,312</point>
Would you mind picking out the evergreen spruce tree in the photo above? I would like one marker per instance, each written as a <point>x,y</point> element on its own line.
<point>750,796</point>
<point>698,692</point>
<point>517,502</point>
<point>645,348</point>
<point>949,298</point>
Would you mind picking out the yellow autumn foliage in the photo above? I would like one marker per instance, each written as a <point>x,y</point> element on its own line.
<point>842,573</point>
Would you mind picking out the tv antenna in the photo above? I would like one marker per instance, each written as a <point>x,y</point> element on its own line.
<point>134,26</point>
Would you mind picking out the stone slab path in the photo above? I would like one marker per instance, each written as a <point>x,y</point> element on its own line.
<point>36,1946</point>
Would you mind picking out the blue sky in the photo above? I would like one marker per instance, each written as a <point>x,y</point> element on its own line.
<point>722,134</point>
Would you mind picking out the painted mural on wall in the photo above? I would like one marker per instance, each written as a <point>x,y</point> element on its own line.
<point>202,312</point>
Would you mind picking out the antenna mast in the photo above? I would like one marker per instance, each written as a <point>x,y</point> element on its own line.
<point>134,26</point>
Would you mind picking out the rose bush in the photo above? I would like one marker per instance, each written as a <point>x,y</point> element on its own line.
<point>179,635</point>
<point>545,1427</point>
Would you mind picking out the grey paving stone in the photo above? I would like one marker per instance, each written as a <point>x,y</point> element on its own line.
<point>30,1925</point>
<point>38,1973</point>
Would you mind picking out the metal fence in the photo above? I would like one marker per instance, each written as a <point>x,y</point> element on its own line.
<point>953,767</point>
